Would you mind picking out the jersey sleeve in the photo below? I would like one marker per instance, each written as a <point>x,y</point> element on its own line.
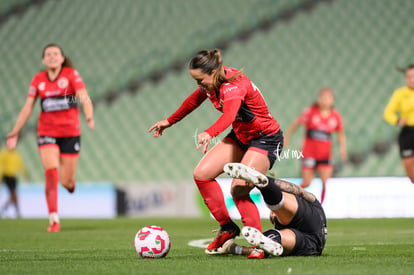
<point>393,106</point>
<point>189,105</point>
<point>77,81</point>
<point>33,91</point>
<point>304,116</point>
<point>340,125</point>
<point>230,109</point>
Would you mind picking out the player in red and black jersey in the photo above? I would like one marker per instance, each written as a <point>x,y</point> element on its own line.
<point>59,88</point>
<point>320,121</point>
<point>255,138</point>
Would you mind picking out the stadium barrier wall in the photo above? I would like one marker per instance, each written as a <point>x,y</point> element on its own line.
<point>345,198</point>
<point>158,199</point>
<point>385,197</point>
<point>90,200</point>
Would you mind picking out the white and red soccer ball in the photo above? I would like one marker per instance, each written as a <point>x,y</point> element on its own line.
<point>152,242</point>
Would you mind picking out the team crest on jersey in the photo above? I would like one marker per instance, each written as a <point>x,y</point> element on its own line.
<point>63,82</point>
<point>41,86</point>
<point>76,147</point>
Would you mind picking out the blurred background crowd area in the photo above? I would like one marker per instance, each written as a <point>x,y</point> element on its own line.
<point>133,57</point>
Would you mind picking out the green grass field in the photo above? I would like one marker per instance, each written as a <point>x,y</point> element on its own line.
<point>365,246</point>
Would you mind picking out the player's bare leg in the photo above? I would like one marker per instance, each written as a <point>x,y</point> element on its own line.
<point>240,189</point>
<point>324,173</point>
<point>67,172</point>
<point>307,176</point>
<point>49,156</point>
<point>211,166</point>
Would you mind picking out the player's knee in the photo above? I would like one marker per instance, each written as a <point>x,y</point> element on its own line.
<point>201,173</point>
<point>239,191</point>
<point>67,182</point>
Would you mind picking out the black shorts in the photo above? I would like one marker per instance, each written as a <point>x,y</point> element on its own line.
<point>10,182</point>
<point>406,142</point>
<point>271,145</point>
<point>309,226</point>
<point>66,145</point>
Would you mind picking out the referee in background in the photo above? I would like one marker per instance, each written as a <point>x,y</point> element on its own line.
<point>11,164</point>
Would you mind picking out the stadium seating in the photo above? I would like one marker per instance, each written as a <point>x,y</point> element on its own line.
<point>334,44</point>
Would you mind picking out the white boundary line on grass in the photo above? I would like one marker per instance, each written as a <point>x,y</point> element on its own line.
<point>202,243</point>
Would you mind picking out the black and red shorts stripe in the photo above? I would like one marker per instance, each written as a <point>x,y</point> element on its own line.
<point>67,145</point>
<point>271,145</point>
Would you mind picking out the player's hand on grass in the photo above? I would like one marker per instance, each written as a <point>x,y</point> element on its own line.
<point>159,127</point>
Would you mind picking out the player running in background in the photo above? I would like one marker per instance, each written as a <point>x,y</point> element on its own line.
<point>320,121</point>
<point>59,88</point>
<point>255,139</point>
<point>400,111</point>
<point>11,164</point>
<point>298,217</point>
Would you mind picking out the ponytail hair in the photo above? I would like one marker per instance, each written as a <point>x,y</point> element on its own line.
<point>210,62</point>
<point>67,62</point>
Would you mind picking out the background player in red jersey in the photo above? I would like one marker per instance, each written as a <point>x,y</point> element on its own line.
<point>59,88</point>
<point>254,139</point>
<point>320,121</point>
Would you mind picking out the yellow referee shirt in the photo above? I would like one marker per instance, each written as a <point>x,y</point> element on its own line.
<point>402,102</point>
<point>11,163</point>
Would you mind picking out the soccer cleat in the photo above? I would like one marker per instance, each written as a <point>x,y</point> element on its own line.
<point>256,254</point>
<point>244,172</point>
<point>217,245</point>
<point>224,249</point>
<point>54,227</point>
<point>256,238</point>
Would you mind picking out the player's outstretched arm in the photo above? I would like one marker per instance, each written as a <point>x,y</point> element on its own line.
<point>159,127</point>
<point>289,187</point>
<point>24,115</point>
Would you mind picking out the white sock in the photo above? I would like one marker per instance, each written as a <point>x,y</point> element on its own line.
<point>53,217</point>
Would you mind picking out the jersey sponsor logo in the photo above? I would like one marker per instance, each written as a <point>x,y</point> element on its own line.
<point>229,89</point>
<point>53,104</point>
<point>41,86</point>
<point>407,153</point>
<point>46,140</point>
<point>63,82</point>
<point>318,135</point>
<point>309,162</point>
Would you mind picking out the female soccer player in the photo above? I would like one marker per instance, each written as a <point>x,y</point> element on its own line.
<point>59,87</point>
<point>255,140</point>
<point>298,217</point>
<point>402,102</point>
<point>320,121</point>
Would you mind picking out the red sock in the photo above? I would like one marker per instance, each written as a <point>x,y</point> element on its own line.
<point>323,194</point>
<point>51,189</point>
<point>214,199</point>
<point>248,211</point>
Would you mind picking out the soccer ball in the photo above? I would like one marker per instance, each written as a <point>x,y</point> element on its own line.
<point>152,242</point>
